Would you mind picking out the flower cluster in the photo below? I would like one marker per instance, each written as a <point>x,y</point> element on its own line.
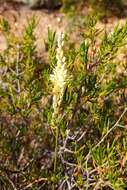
<point>59,78</point>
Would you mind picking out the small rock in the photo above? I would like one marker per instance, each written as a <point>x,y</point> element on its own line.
<point>40,3</point>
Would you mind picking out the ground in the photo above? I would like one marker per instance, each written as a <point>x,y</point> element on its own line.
<point>18,14</point>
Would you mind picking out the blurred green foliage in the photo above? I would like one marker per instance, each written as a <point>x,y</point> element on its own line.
<point>100,7</point>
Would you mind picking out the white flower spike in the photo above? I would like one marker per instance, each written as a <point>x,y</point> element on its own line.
<point>59,78</point>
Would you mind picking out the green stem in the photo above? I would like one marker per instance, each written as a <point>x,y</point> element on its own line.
<point>56,150</point>
<point>56,155</point>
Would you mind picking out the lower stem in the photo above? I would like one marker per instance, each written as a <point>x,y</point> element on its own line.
<point>56,155</point>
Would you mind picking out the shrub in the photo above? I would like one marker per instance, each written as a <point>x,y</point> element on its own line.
<point>108,7</point>
<point>102,8</point>
<point>63,124</point>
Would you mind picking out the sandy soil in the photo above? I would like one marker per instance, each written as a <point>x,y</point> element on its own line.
<point>17,15</point>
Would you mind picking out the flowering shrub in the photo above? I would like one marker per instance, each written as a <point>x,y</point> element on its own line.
<point>63,124</point>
